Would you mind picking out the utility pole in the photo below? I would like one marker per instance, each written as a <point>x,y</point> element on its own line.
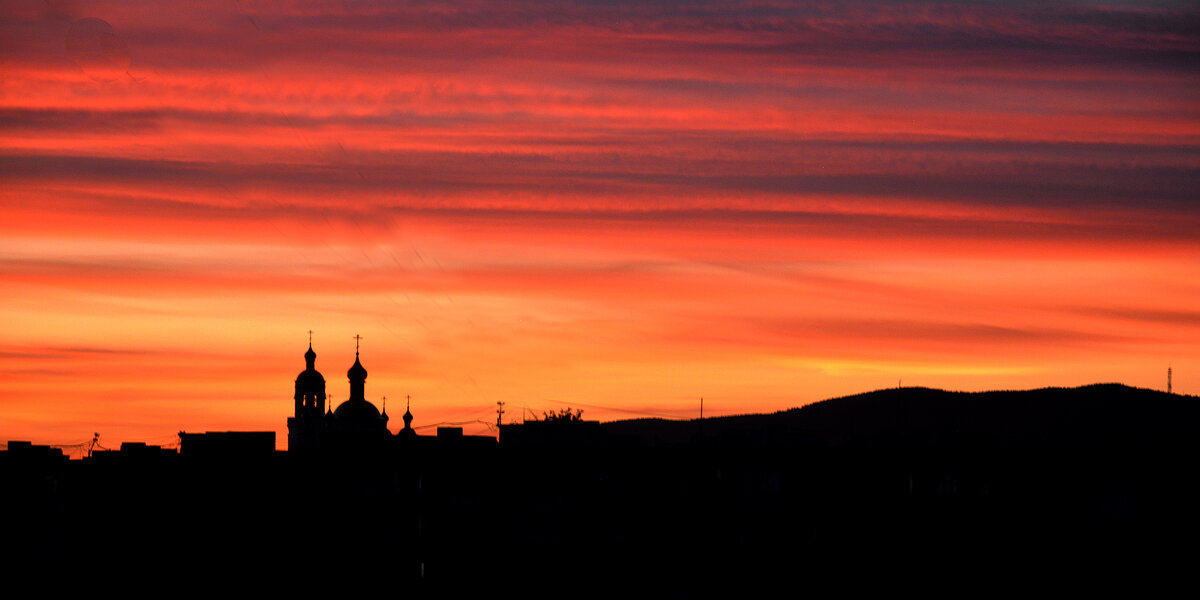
<point>499,413</point>
<point>1168,380</point>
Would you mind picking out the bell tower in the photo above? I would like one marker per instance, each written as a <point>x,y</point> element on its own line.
<point>307,424</point>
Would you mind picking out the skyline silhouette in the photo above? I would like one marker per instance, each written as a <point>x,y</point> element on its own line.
<point>622,207</point>
<point>878,491</point>
<point>316,425</point>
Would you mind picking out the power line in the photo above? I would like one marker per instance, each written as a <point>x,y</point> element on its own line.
<point>643,413</point>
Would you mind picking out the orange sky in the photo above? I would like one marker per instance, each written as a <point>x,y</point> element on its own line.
<point>619,207</point>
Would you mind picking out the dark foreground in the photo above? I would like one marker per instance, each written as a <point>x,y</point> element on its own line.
<point>911,489</point>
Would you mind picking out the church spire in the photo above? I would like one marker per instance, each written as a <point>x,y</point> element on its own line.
<point>408,418</point>
<point>357,375</point>
<point>407,432</point>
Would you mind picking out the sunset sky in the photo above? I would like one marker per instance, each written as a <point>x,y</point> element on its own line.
<point>619,207</point>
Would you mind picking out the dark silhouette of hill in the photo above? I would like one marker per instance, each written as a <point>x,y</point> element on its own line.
<point>1099,413</point>
<point>918,485</point>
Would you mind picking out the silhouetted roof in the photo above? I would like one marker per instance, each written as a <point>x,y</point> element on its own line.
<point>310,376</point>
<point>357,411</point>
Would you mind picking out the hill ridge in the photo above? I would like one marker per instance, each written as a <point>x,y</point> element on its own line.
<point>1100,410</point>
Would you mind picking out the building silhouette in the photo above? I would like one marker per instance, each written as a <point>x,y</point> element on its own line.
<point>355,425</point>
<point>306,427</point>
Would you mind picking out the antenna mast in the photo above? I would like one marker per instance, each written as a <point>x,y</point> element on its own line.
<point>1168,380</point>
<point>499,413</point>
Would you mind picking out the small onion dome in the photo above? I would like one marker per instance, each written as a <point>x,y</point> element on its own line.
<point>407,432</point>
<point>356,372</point>
<point>310,355</point>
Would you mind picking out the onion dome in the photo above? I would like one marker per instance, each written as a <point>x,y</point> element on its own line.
<point>356,410</point>
<point>356,372</point>
<point>407,432</point>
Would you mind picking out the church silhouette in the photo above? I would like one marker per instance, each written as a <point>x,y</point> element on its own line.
<point>355,426</point>
<point>354,423</point>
